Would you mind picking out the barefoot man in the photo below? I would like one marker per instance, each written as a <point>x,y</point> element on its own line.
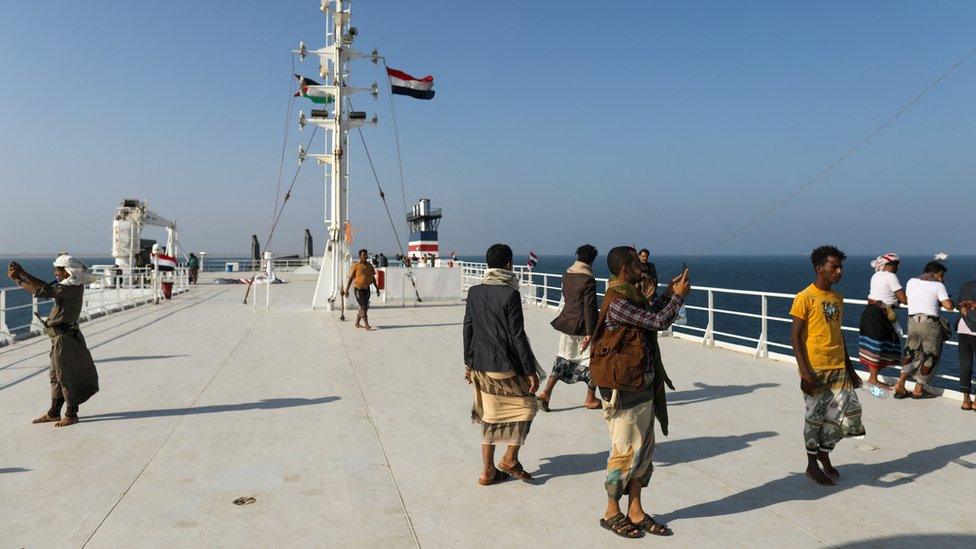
<point>362,275</point>
<point>827,377</point>
<point>73,376</point>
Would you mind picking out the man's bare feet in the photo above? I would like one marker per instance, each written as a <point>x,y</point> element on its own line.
<point>46,418</point>
<point>815,474</point>
<point>824,460</point>
<point>967,403</point>
<point>367,327</point>
<point>592,404</point>
<point>68,420</point>
<point>879,383</point>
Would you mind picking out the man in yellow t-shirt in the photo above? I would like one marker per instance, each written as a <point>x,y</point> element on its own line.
<point>362,275</point>
<point>827,377</point>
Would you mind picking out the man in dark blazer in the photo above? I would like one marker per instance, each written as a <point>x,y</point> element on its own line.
<point>500,364</point>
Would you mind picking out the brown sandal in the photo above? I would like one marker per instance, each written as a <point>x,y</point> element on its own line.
<point>499,476</point>
<point>516,471</point>
<point>621,525</point>
<point>653,527</point>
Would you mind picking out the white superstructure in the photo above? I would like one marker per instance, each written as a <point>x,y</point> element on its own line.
<point>130,218</point>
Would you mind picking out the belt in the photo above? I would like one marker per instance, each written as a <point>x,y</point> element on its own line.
<point>923,315</point>
<point>61,329</point>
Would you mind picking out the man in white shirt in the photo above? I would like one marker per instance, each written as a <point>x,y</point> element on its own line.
<point>926,331</point>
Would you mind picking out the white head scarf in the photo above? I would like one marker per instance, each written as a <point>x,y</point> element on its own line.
<point>882,260</point>
<point>78,274</point>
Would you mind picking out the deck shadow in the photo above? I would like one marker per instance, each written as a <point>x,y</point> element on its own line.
<point>914,540</point>
<point>134,358</point>
<point>569,465</point>
<point>5,470</point>
<point>266,404</point>
<point>698,448</point>
<point>382,327</point>
<point>796,487</point>
<point>705,392</point>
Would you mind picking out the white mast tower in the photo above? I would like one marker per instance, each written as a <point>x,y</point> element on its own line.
<point>334,60</point>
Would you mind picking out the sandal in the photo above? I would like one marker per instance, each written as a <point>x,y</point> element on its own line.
<point>653,527</point>
<point>499,476</point>
<point>544,404</point>
<point>925,394</point>
<point>901,394</point>
<point>621,525</point>
<point>516,471</point>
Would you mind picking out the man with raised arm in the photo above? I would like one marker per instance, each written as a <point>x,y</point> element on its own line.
<point>827,377</point>
<point>72,373</point>
<point>625,367</point>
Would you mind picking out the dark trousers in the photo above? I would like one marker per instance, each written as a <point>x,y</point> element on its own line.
<point>362,298</point>
<point>967,348</point>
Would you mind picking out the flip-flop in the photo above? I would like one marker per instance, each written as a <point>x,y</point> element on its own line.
<point>619,524</point>
<point>924,395</point>
<point>653,527</point>
<point>544,404</point>
<point>901,394</point>
<point>498,477</point>
<point>516,471</point>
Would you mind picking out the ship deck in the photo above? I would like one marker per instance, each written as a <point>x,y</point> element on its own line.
<point>354,438</point>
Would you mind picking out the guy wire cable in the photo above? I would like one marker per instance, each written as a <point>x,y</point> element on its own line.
<point>396,133</point>
<point>891,119</point>
<point>387,208</point>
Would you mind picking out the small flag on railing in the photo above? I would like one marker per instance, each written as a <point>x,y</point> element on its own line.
<point>533,259</point>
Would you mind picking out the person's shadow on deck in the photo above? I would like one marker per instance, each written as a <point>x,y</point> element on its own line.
<point>797,487</point>
<point>678,451</point>
<point>266,404</point>
<point>705,392</point>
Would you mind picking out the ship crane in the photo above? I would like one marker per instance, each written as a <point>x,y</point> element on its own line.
<point>127,246</point>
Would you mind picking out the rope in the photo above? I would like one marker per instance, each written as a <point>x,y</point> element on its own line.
<point>890,120</point>
<point>396,135</point>
<point>386,206</point>
<point>284,141</point>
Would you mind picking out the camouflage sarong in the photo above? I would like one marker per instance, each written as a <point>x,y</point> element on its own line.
<point>832,413</point>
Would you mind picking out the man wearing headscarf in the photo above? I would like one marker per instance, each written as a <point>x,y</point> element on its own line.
<point>879,344</point>
<point>73,376</point>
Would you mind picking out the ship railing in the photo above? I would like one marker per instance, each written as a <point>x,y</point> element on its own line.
<point>115,290</point>
<point>545,290</point>
<point>248,265</point>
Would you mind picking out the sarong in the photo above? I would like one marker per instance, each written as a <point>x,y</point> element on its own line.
<point>72,374</point>
<point>571,364</point>
<point>879,345</point>
<point>833,412</point>
<point>503,406</point>
<point>362,298</point>
<point>631,445</point>
<point>923,348</point>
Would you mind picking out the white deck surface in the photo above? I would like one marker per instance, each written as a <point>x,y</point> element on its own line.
<point>356,439</point>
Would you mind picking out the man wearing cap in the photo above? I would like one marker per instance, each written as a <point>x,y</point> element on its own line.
<point>73,376</point>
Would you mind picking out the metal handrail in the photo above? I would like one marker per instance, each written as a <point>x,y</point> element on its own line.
<point>114,290</point>
<point>473,272</point>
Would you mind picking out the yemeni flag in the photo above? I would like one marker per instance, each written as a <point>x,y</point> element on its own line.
<point>404,84</point>
<point>164,262</point>
<point>533,259</point>
<point>317,96</point>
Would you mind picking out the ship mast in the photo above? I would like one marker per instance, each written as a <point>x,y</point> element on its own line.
<point>334,67</point>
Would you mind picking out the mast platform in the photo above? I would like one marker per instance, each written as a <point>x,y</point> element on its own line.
<point>348,438</point>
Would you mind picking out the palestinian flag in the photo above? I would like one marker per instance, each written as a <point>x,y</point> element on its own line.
<point>404,84</point>
<point>317,96</point>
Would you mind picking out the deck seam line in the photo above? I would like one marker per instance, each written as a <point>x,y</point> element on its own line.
<point>170,435</point>
<point>376,433</point>
<point>766,509</point>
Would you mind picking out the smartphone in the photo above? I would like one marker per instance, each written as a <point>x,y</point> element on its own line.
<point>684,267</point>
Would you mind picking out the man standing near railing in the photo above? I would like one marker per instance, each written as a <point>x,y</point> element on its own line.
<point>927,331</point>
<point>72,373</point>
<point>827,377</point>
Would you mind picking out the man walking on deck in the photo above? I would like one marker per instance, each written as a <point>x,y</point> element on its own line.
<point>500,364</point>
<point>362,275</point>
<point>72,373</point>
<point>626,369</point>
<point>927,331</point>
<point>827,377</point>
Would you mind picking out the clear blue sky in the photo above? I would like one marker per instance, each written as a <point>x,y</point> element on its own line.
<point>665,124</point>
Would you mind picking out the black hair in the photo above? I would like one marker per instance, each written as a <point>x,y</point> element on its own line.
<point>498,256</point>
<point>618,257</point>
<point>363,251</point>
<point>586,253</point>
<point>819,255</point>
<point>644,251</point>
<point>935,267</point>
